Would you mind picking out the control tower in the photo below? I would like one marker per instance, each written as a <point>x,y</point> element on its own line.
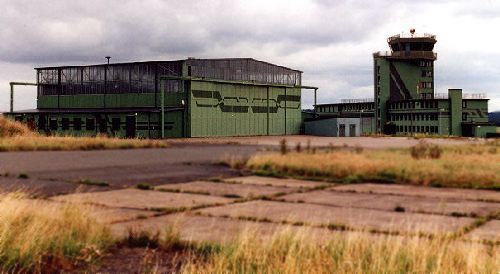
<point>406,72</point>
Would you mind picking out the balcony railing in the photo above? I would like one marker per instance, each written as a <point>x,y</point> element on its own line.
<point>360,100</point>
<point>464,96</point>
<point>408,55</point>
<point>415,35</point>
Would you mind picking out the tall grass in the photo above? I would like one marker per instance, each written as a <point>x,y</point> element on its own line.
<point>15,136</point>
<point>293,253</point>
<point>42,143</point>
<point>40,237</point>
<point>9,128</point>
<point>471,166</point>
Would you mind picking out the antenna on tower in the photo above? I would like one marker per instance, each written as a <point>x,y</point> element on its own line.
<point>412,32</point>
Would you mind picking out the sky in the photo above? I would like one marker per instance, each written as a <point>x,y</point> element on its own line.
<point>331,41</point>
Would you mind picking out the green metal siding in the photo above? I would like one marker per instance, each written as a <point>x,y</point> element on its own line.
<point>455,111</point>
<point>231,109</point>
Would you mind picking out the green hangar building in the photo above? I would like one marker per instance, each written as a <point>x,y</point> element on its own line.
<point>184,98</point>
<point>404,99</point>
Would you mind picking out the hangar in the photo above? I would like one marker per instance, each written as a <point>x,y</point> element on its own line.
<point>159,99</point>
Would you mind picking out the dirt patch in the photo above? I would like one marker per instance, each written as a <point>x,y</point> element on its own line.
<point>442,193</point>
<point>395,203</point>
<point>489,232</point>
<point>228,190</point>
<point>352,217</point>
<point>142,199</point>
<point>123,259</point>
<point>268,181</point>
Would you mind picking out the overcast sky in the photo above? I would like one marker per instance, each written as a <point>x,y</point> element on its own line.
<point>331,41</point>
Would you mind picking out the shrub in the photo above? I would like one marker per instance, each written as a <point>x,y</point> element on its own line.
<point>144,186</point>
<point>435,152</point>
<point>424,150</point>
<point>399,209</point>
<point>23,176</point>
<point>419,150</point>
<point>283,147</point>
<point>143,238</point>
<point>358,149</point>
<point>298,148</point>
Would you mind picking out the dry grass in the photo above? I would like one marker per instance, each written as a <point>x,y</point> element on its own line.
<point>22,143</point>
<point>467,166</point>
<point>9,128</point>
<point>15,136</point>
<point>41,237</point>
<point>288,252</point>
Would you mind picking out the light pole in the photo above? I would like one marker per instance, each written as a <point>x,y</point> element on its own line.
<point>361,123</point>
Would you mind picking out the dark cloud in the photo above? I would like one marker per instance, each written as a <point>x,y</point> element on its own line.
<point>62,31</point>
<point>330,40</point>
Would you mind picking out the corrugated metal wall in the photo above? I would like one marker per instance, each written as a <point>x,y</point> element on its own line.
<point>230,109</point>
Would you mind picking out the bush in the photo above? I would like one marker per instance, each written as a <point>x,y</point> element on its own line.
<point>144,186</point>
<point>298,148</point>
<point>283,147</point>
<point>399,209</point>
<point>424,150</point>
<point>419,150</point>
<point>435,152</point>
<point>23,176</point>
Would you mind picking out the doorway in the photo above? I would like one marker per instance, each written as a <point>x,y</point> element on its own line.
<point>130,126</point>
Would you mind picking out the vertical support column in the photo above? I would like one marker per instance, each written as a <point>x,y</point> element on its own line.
<point>267,112</point>
<point>315,101</point>
<point>162,95</point>
<point>11,97</point>
<point>285,109</point>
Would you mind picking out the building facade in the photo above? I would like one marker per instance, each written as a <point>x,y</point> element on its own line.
<point>184,98</point>
<point>404,99</point>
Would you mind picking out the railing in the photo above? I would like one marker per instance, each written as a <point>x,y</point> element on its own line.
<point>415,35</point>
<point>474,96</point>
<point>464,96</point>
<point>411,54</point>
<point>362,100</point>
<point>440,95</point>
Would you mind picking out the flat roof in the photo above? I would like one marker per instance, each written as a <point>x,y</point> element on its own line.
<point>167,61</point>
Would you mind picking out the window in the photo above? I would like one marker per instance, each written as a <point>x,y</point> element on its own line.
<point>342,130</point>
<point>464,116</point>
<point>115,123</point>
<point>65,123</point>
<point>464,104</point>
<point>77,123</point>
<point>425,85</point>
<point>426,73</point>
<point>53,124</point>
<point>90,124</point>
